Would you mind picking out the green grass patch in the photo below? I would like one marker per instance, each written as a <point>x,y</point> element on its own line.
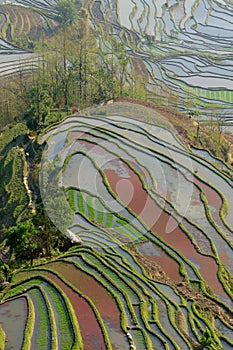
<point>63,319</point>
<point>9,132</point>
<point>137,333</point>
<point>29,326</point>
<point>2,339</point>
<point>81,204</point>
<point>71,199</point>
<point>42,328</point>
<point>109,220</point>
<point>220,95</point>
<point>53,331</point>
<point>100,209</point>
<point>91,211</point>
<point>21,287</point>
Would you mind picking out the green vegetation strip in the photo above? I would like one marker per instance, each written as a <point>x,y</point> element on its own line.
<point>146,189</point>
<point>63,323</point>
<point>104,284</point>
<point>136,278</point>
<point>115,276</point>
<point>29,326</point>
<point>20,287</point>
<point>2,339</point>
<point>35,280</point>
<point>52,323</point>
<point>144,185</point>
<point>41,272</point>
<point>42,329</point>
<point>91,211</point>
<point>96,266</point>
<point>17,196</point>
<point>110,219</point>
<point>168,301</point>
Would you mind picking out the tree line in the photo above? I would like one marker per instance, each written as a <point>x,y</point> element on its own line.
<point>70,70</point>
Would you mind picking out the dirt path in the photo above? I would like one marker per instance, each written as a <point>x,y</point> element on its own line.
<point>23,158</point>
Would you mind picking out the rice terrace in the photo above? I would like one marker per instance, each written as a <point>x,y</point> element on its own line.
<point>116,168</point>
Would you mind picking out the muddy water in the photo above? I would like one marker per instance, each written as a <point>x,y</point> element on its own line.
<point>104,303</point>
<point>156,254</point>
<point>158,220</point>
<point>154,217</point>
<point>90,330</point>
<point>215,201</point>
<point>13,318</point>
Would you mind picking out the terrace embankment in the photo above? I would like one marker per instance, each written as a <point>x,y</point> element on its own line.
<point>91,335</point>
<point>159,222</point>
<point>187,130</point>
<point>156,273</point>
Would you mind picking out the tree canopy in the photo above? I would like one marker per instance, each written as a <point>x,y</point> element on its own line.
<point>24,240</point>
<point>206,339</point>
<point>40,104</point>
<point>66,11</point>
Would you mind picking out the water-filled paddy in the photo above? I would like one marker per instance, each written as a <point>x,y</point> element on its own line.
<point>111,152</point>
<point>123,172</point>
<point>13,318</point>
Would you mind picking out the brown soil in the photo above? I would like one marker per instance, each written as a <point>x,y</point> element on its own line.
<point>156,273</point>
<point>187,129</point>
<point>179,120</point>
<point>167,264</point>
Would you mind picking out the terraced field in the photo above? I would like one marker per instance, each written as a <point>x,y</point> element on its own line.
<point>182,48</point>
<point>152,220</point>
<point>185,46</point>
<point>153,267</point>
<point>17,21</point>
<point>22,21</point>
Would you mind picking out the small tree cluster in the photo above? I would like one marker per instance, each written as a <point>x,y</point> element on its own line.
<point>206,339</point>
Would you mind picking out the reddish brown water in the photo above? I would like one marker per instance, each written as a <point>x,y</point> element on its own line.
<point>89,327</point>
<point>13,319</point>
<point>75,135</point>
<point>213,197</point>
<point>88,286</point>
<point>169,265</point>
<point>215,201</point>
<point>158,220</point>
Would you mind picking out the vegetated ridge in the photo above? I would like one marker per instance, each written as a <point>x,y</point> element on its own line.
<point>128,284</point>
